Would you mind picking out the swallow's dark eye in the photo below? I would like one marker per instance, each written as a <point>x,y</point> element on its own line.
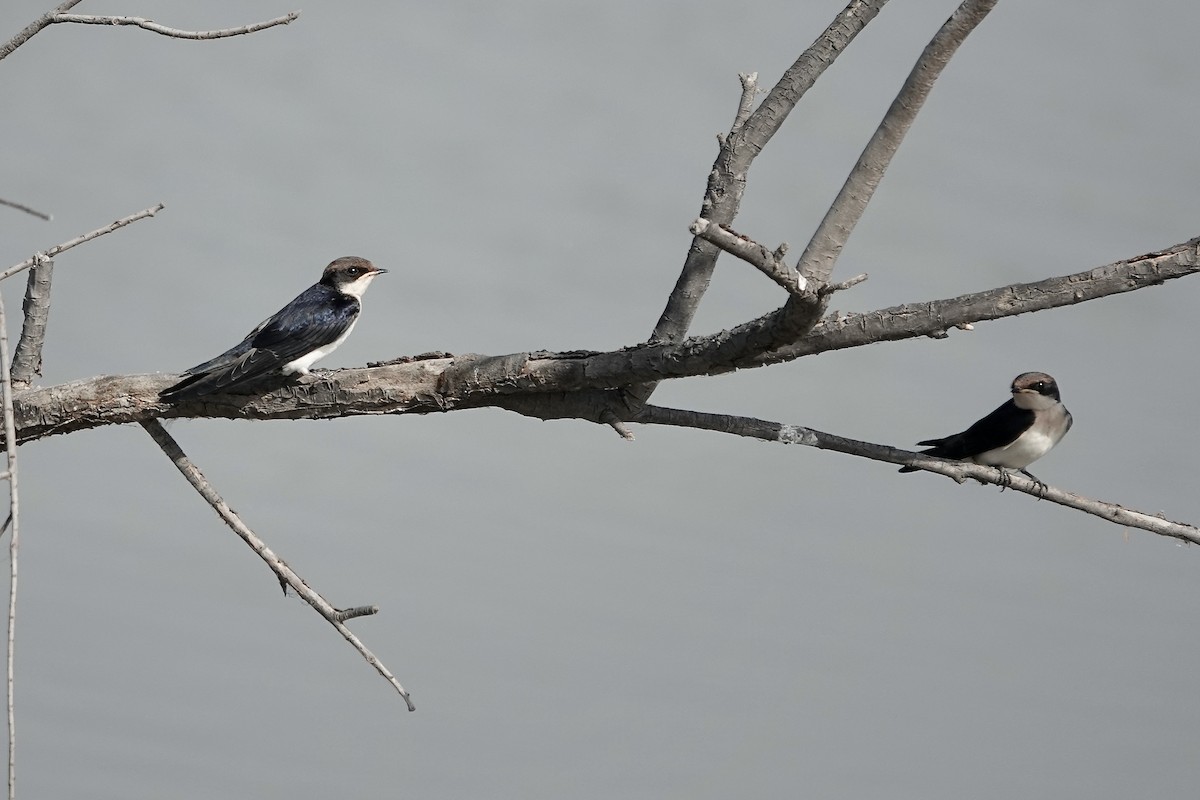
<point>355,271</point>
<point>1040,386</point>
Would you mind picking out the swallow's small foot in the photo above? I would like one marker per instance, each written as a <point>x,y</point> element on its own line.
<point>1005,478</point>
<point>1038,482</point>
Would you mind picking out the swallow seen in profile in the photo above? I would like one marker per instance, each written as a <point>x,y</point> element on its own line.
<point>1014,435</point>
<point>306,329</point>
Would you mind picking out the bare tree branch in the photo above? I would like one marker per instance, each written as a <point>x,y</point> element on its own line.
<point>959,471</point>
<point>34,27</point>
<point>727,183</point>
<point>285,574</point>
<point>826,244</point>
<point>14,519</point>
<point>839,331</point>
<point>769,262</point>
<point>78,240</point>
<point>176,33</point>
<point>842,286</point>
<point>58,14</point>
<point>746,104</point>
<point>27,359</point>
<point>358,611</point>
<point>31,211</point>
<point>767,119</point>
<point>749,135</point>
<point>727,180</point>
<point>575,385</point>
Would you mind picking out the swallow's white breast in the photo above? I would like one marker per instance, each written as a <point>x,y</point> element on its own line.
<point>1047,430</point>
<point>301,365</point>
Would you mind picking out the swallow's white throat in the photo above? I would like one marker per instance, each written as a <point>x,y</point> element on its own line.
<point>358,286</point>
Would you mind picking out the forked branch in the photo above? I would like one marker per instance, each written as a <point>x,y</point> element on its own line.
<point>747,137</point>
<point>27,359</point>
<point>286,576</point>
<point>39,24</point>
<point>769,262</point>
<point>826,245</point>
<point>959,471</point>
<point>579,385</point>
<point>934,318</point>
<point>59,15</point>
<point>78,240</point>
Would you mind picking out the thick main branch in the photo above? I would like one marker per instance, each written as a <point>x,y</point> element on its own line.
<point>580,384</point>
<point>934,318</point>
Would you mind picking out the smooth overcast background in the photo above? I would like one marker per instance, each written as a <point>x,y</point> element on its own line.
<point>690,615</point>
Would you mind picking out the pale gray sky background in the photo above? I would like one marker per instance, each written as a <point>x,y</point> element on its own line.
<point>687,616</point>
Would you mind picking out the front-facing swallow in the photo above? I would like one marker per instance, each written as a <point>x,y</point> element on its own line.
<point>289,342</point>
<point>1014,435</point>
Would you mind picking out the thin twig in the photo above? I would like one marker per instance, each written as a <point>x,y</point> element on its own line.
<point>175,33</point>
<point>727,180</point>
<point>31,211</point>
<point>78,240</point>
<point>37,25</point>
<point>285,574</point>
<point>14,513</point>
<point>609,418</point>
<point>358,611</point>
<point>27,358</point>
<point>957,470</point>
<point>751,252</point>
<point>830,237</point>
<point>749,81</point>
<point>842,286</point>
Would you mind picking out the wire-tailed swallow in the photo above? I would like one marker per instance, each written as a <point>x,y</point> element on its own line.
<point>306,329</point>
<point>1014,435</point>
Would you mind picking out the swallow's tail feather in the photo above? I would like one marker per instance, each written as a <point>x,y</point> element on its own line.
<point>937,448</point>
<point>189,388</point>
<point>251,371</point>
